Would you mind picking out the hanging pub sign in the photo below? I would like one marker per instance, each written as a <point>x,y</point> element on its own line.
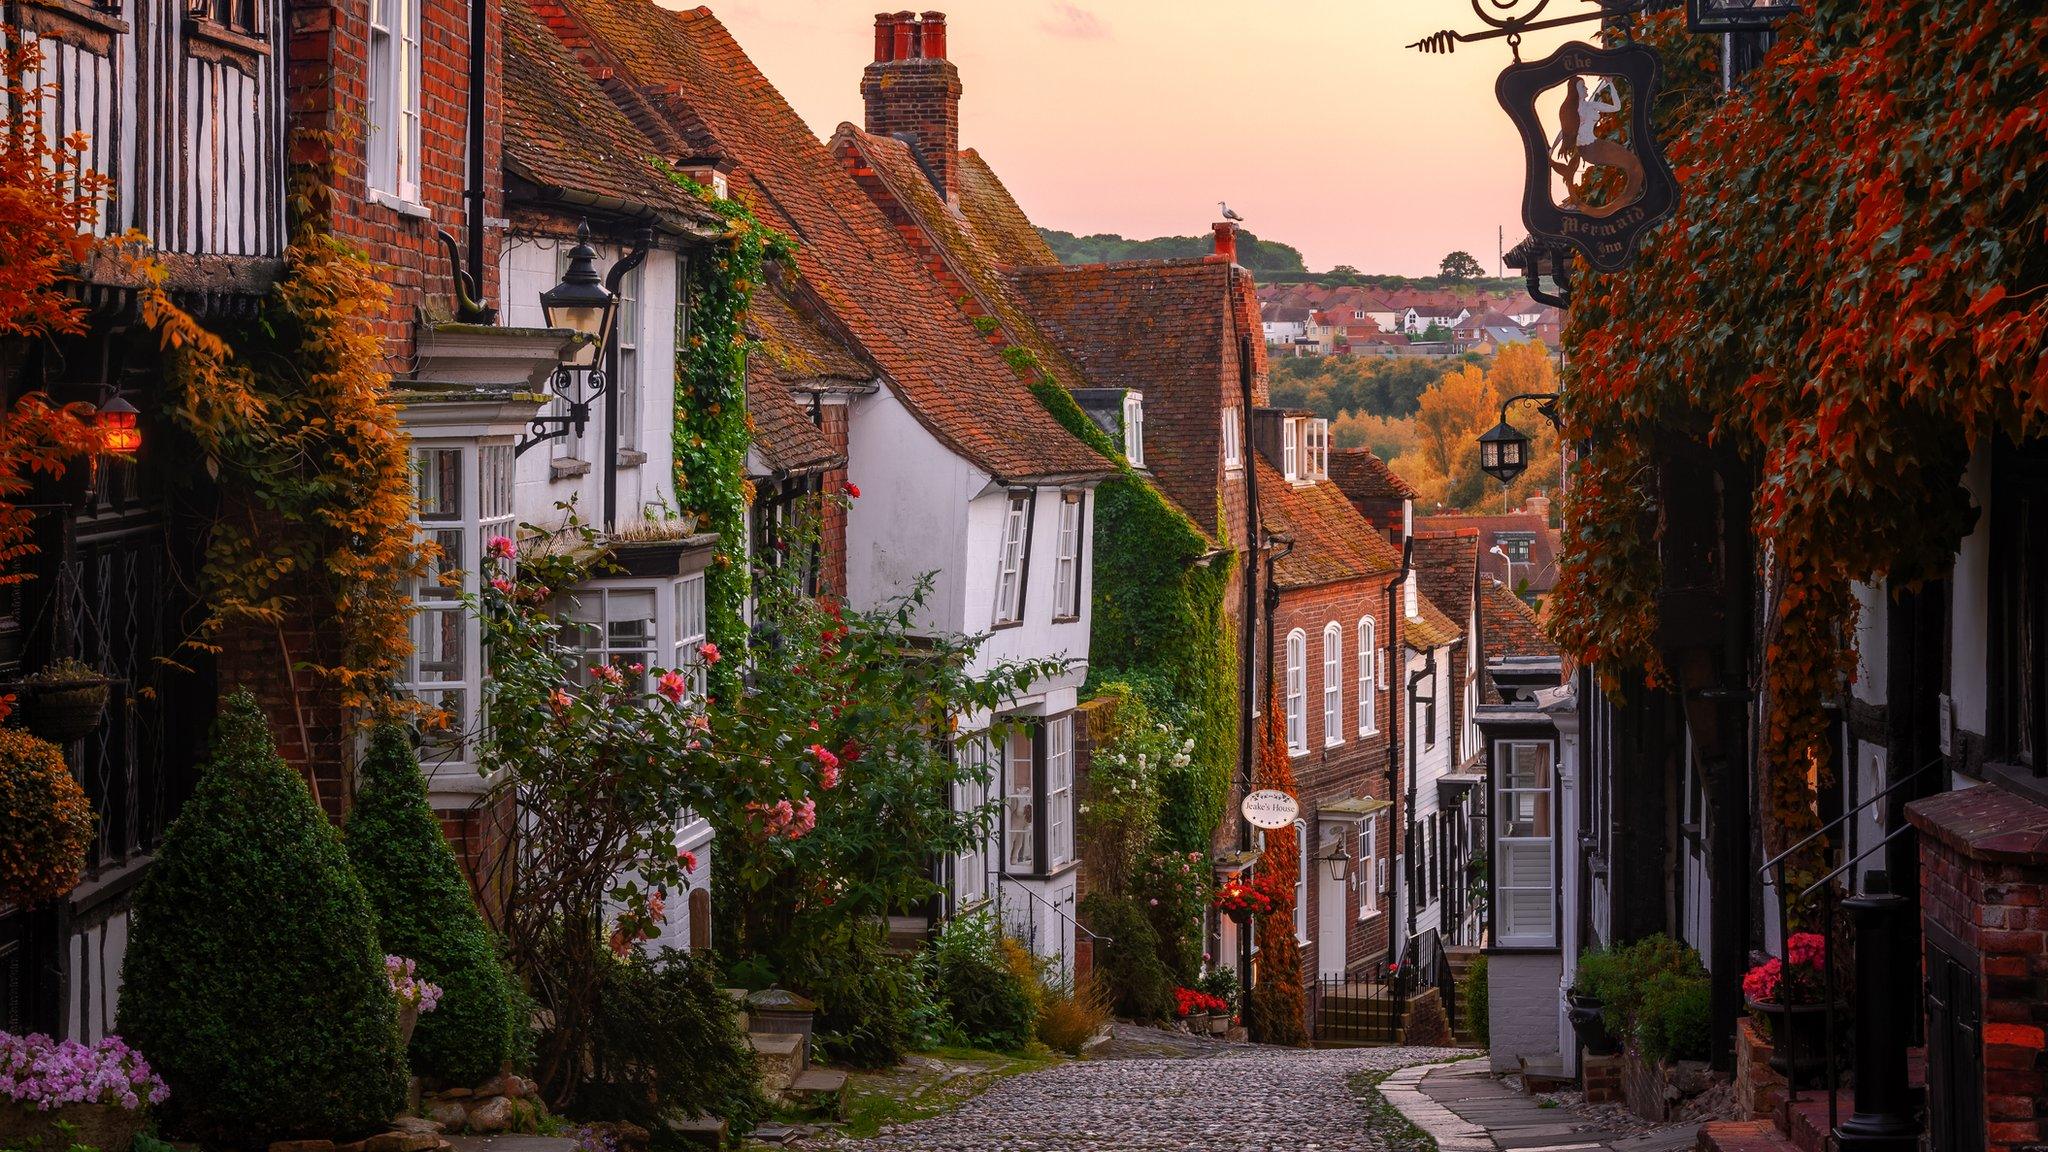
<point>1596,179</point>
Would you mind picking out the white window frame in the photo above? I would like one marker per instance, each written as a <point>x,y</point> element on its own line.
<point>1368,696</point>
<point>393,115</point>
<point>1366,873</point>
<point>1134,428</point>
<point>1301,872</point>
<point>1020,826</point>
<point>1067,571</point>
<point>1233,440</point>
<point>593,638</point>
<point>970,795</point>
<point>1290,452</point>
<point>1297,692</point>
<point>690,630</point>
<point>627,370</point>
<point>1014,558</point>
<point>1059,791</point>
<point>1316,445</point>
<point>1541,892</point>
<point>1333,684</point>
<point>482,507</point>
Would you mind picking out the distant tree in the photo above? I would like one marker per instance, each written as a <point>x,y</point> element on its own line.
<point>1461,266</point>
<point>1436,332</point>
<point>1103,247</point>
<point>1345,271</point>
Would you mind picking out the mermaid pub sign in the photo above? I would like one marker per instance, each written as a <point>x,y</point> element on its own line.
<point>1596,180</point>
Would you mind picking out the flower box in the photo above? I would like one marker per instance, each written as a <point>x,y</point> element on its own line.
<point>55,1094</point>
<point>103,1126</point>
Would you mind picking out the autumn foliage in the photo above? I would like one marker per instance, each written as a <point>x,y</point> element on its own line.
<point>48,204</point>
<point>1849,297</point>
<point>1276,1011</point>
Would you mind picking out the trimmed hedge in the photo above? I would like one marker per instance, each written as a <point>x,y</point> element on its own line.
<point>425,912</point>
<point>1127,961</point>
<point>667,1043</point>
<point>254,983</point>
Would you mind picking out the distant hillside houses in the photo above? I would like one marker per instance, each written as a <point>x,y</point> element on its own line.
<point>1352,320</point>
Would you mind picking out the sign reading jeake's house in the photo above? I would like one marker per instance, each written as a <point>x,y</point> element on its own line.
<point>1596,179</point>
<point>1269,808</point>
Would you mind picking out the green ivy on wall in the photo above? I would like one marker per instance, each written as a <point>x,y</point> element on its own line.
<point>711,429</point>
<point>1159,626</point>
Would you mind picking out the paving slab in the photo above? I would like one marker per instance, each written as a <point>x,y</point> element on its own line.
<point>1468,1109</point>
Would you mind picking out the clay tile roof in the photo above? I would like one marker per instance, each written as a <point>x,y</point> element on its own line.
<point>783,432</point>
<point>1332,542</point>
<point>996,217</point>
<point>1360,474</point>
<point>1446,564</point>
<point>794,350</point>
<point>562,131</point>
<point>1509,624</point>
<point>945,373</point>
<point>1164,329</point>
<point>1539,572</point>
<point>1430,628</point>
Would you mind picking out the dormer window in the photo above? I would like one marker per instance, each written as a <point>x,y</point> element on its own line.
<point>1316,449</point>
<point>1290,448</point>
<point>1134,429</point>
<point>1233,440</point>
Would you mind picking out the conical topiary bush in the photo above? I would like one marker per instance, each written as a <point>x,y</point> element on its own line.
<point>254,983</point>
<point>424,911</point>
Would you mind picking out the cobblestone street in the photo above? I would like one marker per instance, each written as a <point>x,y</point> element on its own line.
<point>1238,1099</point>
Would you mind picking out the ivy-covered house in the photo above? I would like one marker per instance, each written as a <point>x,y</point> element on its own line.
<point>953,470</point>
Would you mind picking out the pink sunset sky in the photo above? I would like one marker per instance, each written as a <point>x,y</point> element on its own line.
<point>1135,116</point>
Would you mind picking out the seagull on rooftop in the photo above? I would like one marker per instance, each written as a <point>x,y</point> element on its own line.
<point>1227,213</point>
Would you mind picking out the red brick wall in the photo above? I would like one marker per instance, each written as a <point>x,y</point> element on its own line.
<point>1984,881</point>
<point>920,99</point>
<point>1357,767</point>
<point>327,88</point>
<point>832,566</point>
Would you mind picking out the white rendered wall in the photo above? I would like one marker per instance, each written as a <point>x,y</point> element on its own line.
<point>1521,1008</point>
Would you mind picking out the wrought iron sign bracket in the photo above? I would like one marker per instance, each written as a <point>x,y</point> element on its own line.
<point>569,384</point>
<point>1511,27</point>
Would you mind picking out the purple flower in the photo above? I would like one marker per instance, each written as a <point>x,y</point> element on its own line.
<point>46,1074</point>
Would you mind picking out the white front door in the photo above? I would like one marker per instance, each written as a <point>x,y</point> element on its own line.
<point>1333,916</point>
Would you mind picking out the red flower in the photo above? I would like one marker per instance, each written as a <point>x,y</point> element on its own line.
<point>853,490</point>
<point>672,687</point>
<point>708,652</point>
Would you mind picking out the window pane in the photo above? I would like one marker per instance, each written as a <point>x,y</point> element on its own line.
<point>438,483</point>
<point>1019,808</point>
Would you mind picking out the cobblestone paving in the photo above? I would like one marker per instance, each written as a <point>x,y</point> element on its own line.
<point>1242,1099</point>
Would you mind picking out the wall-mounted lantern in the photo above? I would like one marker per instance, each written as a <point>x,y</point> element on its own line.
<point>1504,448</point>
<point>1336,861</point>
<point>119,426</point>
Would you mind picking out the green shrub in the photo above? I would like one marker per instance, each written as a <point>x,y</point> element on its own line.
<point>424,911</point>
<point>1676,1018</point>
<point>1128,959</point>
<point>988,1001</point>
<point>870,1003</point>
<point>254,982</point>
<point>1472,1004</point>
<point>1654,991</point>
<point>667,1043</point>
<point>1222,983</point>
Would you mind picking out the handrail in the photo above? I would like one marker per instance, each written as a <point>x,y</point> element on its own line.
<point>1078,926</point>
<point>1831,825</point>
<point>1817,885</point>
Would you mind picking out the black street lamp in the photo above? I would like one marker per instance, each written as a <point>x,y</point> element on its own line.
<point>1336,861</point>
<point>1504,448</point>
<point>588,305</point>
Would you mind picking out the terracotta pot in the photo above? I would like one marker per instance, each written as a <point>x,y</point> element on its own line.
<point>1799,1040</point>
<point>107,1127</point>
<point>408,1018</point>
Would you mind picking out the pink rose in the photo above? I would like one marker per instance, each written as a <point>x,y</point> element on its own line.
<point>708,652</point>
<point>828,776</point>
<point>500,548</point>
<point>672,687</point>
<point>502,585</point>
<point>687,859</point>
<point>824,755</point>
<point>609,674</point>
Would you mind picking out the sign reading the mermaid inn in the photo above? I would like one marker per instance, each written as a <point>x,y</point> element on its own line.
<point>1596,180</point>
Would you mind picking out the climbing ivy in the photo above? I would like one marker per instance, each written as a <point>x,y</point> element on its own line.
<point>712,430</point>
<point>1159,625</point>
<point>1850,298</point>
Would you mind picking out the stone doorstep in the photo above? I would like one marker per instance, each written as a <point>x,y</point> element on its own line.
<point>1742,1136</point>
<point>701,1131</point>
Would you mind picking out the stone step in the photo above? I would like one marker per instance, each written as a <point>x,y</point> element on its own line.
<point>817,1091</point>
<point>1743,1136</point>
<point>779,1057</point>
<point>701,1132</point>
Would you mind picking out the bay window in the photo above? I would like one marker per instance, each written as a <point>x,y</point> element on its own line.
<point>1333,684</point>
<point>690,631</point>
<point>1066,580</point>
<point>463,493</point>
<point>1015,554</point>
<point>1366,871</point>
<point>1525,868</point>
<point>970,797</point>
<point>1059,790</point>
<point>608,626</point>
<point>1297,692</point>
<point>394,99</point>
<point>1020,802</point>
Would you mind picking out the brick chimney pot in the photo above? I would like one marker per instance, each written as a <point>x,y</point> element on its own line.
<point>914,95</point>
<point>885,36</point>
<point>934,47</point>
<point>906,37</point>
<point>1226,240</point>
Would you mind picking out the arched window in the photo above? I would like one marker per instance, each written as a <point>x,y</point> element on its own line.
<point>1301,880</point>
<point>1297,692</point>
<point>1368,699</point>
<point>1333,684</point>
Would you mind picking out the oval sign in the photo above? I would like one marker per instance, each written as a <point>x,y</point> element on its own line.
<point>1269,808</point>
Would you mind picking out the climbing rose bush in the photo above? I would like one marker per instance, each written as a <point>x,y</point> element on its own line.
<point>47,1074</point>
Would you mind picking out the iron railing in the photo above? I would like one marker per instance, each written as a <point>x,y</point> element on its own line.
<point>1366,1007</point>
<point>1773,872</point>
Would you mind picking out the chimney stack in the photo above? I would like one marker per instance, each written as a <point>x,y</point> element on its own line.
<point>1537,505</point>
<point>1226,240</point>
<point>913,93</point>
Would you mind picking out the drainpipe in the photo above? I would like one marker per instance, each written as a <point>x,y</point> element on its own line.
<point>1426,672</point>
<point>1395,830</point>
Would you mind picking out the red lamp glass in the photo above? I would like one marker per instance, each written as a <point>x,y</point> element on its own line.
<point>120,429</point>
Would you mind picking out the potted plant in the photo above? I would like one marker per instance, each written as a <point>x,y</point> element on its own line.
<point>414,995</point>
<point>1241,901</point>
<point>64,701</point>
<point>1599,976</point>
<point>1221,986</point>
<point>57,1094</point>
<point>1789,997</point>
<point>1193,1009</point>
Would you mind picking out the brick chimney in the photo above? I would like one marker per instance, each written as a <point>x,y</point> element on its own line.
<point>1537,505</point>
<point>1226,240</point>
<point>913,92</point>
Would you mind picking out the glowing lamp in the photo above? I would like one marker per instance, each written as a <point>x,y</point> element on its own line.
<point>119,427</point>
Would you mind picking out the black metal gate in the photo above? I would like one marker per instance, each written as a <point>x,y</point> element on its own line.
<point>1955,1048</point>
<point>1363,1008</point>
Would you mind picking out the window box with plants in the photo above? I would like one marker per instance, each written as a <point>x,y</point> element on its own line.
<point>62,1093</point>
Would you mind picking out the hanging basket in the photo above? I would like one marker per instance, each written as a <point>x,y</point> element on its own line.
<point>65,711</point>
